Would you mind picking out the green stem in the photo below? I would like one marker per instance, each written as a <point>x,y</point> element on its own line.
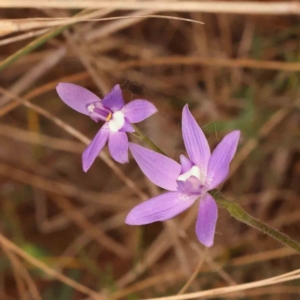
<point>237,211</point>
<point>30,47</point>
<point>144,138</point>
<point>240,214</point>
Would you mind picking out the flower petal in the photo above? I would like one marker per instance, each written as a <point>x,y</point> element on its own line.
<point>206,220</point>
<point>75,96</point>
<point>161,170</point>
<point>114,100</point>
<point>195,141</point>
<point>186,164</point>
<point>218,166</point>
<point>127,127</point>
<point>160,208</point>
<point>118,146</point>
<point>138,110</point>
<point>94,148</point>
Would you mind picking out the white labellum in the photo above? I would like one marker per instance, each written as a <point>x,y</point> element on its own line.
<point>117,121</point>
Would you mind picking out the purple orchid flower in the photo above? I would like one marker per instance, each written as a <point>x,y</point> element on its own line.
<point>186,182</point>
<point>112,110</point>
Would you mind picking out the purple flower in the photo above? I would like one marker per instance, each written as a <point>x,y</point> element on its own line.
<point>186,182</point>
<point>112,110</point>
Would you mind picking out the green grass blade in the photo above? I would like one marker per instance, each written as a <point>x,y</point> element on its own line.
<point>32,46</point>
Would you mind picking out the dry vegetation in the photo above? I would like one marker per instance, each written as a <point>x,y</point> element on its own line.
<point>63,235</point>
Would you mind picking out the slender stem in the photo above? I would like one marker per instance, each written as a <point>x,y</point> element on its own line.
<point>237,211</point>
<point>145,139</point>
<point>240,214</point>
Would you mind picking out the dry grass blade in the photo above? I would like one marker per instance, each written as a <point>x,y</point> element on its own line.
<point>213,62</point>
<point>37,72</point>
<point>17,25</point>
<point>263,256</point>
<point>161,245</point>
<point>20,271</point>
<point>55,274</point>
<point>280,8</point>
<point>271,290</point>
<point>149,282</point>
<point>117,25</point>
<point>241,287</point>
<point>43,89</point>
<point>97,234</point>
<point>60,188</point>
<point>40,139</point>
<point>43,39</point>
<point>253,143</point>
<point>22,37</point>
<point>194,275</point>
<point>176,275</point>
<point>16,271</point>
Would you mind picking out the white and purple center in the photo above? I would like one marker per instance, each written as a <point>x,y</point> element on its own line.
<point>98,112</point>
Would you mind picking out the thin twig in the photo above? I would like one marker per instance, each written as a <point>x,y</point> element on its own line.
<point>53,273</point>
<point>241,287</point>
<point>97,234</point>
<point>60,188</point>
<point>22,36</point>
<point>49,86</point>
<point>194,275</point>
<point>16,272</point>
<point>36,72</point>
<point>41,139</point>
<point>15,25</point>
<point>39,41</point>
<point>212,62</point>
<point>275,8</point>
<point>24,273</point>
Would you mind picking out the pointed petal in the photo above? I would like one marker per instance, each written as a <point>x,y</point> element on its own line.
<point>114,100</point>
<point>75,96</point>
<point>195,141</point>
<point>206,220</point>
<point>218,166</point>
<point>118,146</point>
<point>186,164</point>
<point>161,170</point>
<point>138,110</point>
<point>94,148</point>
<point>160,208</point>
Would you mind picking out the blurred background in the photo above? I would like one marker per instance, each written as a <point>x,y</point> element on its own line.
<point>63,234</point>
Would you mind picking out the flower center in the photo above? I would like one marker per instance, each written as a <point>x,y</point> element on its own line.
<point>117,121</point>
<point>191,182</point>
<point>98,112</point>
<point>194,171</point>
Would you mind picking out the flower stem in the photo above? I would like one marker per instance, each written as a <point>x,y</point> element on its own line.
<point>235,210</point>
<point>145,139</point>
<point>240,214</point>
